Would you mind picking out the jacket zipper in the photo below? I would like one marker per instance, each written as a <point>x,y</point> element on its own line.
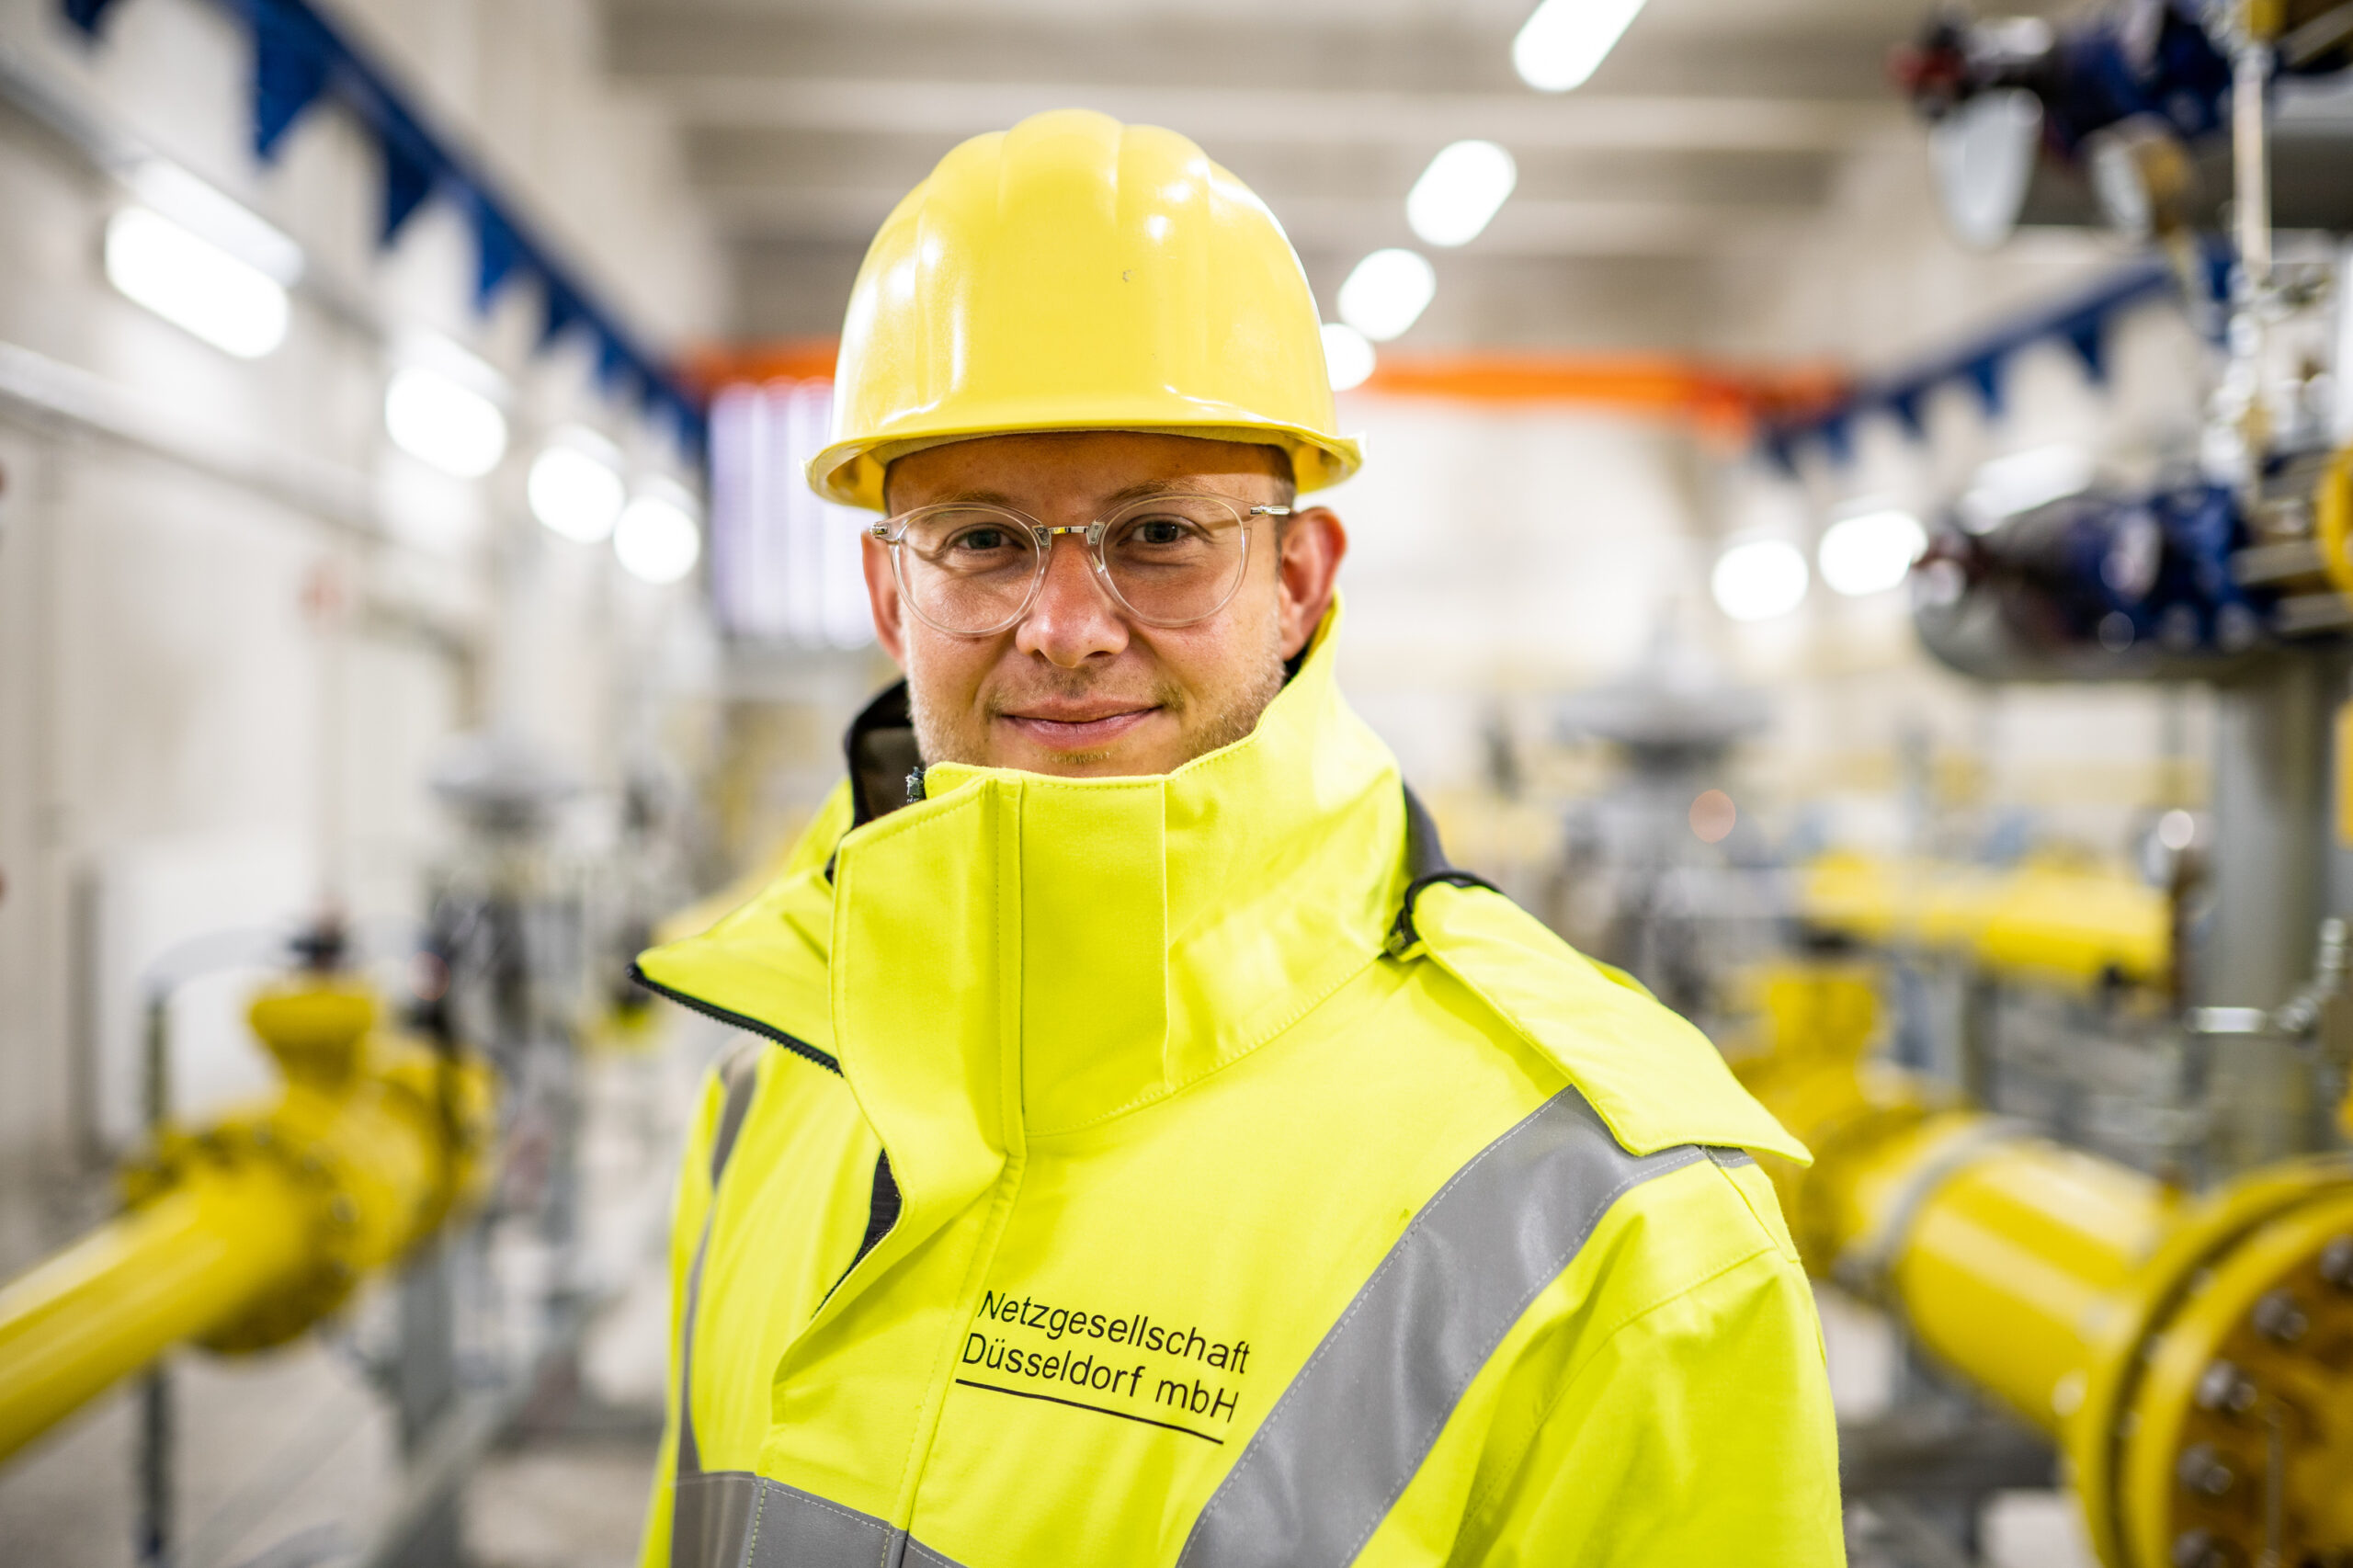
<point>802,1049</point>
<point>799,1047</point>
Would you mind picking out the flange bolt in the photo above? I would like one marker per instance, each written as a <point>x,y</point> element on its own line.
<point>2224,1387</point>
<point>2278,1317</point>
<point>2336,1261</point>
<point>2198,1548</point>
<point>2203,1470</point>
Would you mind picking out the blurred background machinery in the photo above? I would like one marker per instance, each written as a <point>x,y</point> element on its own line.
<point>1860,533</point>
<point>2081,1122</point>
<point>2188,1355</point>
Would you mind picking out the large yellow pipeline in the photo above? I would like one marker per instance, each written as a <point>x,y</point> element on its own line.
<point>2193,1359</point>
<point>2048,921</point>
<point>242,1236</point>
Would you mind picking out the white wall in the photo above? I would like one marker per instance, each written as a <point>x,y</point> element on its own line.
<point>197,673</point>
<point>1497,553</point>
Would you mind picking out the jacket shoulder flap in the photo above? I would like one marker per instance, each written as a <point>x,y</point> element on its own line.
<point>766,959</point>
<point>1652,1076</point>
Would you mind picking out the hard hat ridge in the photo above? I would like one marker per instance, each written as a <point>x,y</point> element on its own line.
<point>1074,273</point>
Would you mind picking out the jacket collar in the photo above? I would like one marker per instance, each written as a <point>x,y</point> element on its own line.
<point>1106,941</point>
<point>1017,955</point>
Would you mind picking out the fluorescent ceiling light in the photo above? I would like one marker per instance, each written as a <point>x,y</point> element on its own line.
<point>453,428</point>
<point>1387,293</point>
<point>1871,551</point>
<point>194,284</point>
<point>1564,41</point>
<point>2023,480</point>
<point>656,539</point>
<point>1460,192</point>
<point>1760,580</point>
<point>227,222</point>
<point>576,488</point>
<point>1347,355</point>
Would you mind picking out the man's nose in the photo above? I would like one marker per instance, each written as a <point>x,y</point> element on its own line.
<point>1074,619</point>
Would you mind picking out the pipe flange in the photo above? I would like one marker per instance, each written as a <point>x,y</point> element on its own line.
<point>2110,1439</point>
<point>2239,1446</point>
<point>313,1169</point>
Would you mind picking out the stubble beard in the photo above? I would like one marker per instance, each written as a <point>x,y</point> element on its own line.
<point>1225,717</point>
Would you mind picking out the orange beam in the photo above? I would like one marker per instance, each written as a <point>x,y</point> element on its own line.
<point>1716,398</point>
<point>1720,399</point>
<point>716,365</point>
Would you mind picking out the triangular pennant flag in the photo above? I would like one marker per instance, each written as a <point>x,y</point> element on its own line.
<point>409,172</point>
<point>1985,375</point>
<point>618,372</point>
<point>290,70</point>
<point>1837,433</point>
<point>2087,336</point>
<point>560,308</point>
<point>1905,405</point>
<point>88,14</point>
<point>687,424</point>
<point>496,251</point>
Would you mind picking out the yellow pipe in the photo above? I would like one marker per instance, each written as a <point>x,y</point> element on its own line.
<point>2086,1297</point>
<point>244,1235</point>
<point>2052,923</point>
<point>2010,1255</point>
<point>166,1271</point>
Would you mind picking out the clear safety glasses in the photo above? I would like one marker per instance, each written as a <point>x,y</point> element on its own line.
<point>969,570</point>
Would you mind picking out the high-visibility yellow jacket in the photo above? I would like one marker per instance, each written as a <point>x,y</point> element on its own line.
<point>1129,1172</point>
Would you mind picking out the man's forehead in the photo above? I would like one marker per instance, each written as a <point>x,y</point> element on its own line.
<point>1101,467</point>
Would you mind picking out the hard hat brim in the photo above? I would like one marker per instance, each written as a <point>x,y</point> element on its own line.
<point>852,472</point>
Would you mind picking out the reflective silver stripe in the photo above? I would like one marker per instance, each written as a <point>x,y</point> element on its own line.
<point>739,1074</point>
<point>1341,1443</point>
<point>730,1519</point>
<point>739,1071</point>
<point>710,1519</point>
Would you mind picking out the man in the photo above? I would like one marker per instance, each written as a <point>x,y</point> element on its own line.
<point>1144,1150</point>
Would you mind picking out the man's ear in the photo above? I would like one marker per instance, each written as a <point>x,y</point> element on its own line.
<point>882,597</point>
<point>1307,567</point>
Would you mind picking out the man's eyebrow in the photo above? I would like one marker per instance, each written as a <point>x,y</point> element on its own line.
<point>1161,488</point>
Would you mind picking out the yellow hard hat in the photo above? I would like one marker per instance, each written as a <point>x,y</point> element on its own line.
<point>1074,273</point>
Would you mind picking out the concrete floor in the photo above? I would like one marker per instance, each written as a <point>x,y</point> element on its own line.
<point>2017,1529</point>
<point>573,1506</point>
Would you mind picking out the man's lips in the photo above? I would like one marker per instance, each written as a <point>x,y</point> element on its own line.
<point>1077,726</point>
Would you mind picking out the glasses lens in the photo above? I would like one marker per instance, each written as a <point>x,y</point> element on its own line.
<point>1176,558</point>
<point>967,568</point>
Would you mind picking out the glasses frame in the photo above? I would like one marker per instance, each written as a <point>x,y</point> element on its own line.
<point>893,532</point>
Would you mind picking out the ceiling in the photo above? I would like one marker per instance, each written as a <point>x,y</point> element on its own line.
<point>1713,123</point>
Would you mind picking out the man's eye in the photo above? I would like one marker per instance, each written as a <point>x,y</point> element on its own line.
<point>1159,530</point>
<point>982,538</point>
